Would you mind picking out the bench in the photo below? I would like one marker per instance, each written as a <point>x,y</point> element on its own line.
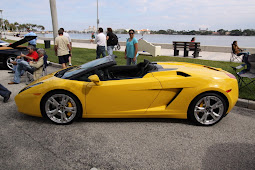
<point>187,46</point>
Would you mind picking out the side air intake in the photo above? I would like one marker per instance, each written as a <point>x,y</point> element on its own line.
<point>182,74</point>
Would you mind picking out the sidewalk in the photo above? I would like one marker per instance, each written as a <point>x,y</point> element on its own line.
<point>216,56</point>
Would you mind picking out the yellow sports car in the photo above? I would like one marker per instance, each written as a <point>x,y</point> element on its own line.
<point>100,89</point>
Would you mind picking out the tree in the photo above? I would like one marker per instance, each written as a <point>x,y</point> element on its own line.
<point>6,24</point>
<point>40,27</point>
<point>248,32</point>
<point>222,31</point>
<point>162,32</point>
<point>1,23</point>
<point>170,31</point>
<point>236,32</point>
<point>12,27</point>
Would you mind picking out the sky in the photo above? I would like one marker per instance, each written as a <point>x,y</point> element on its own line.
<point>135,14</point>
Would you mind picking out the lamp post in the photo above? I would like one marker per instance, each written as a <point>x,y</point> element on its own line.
<point>1,18</point>
<point>97,16</point>
<point>2,22</point>
<point>54,18</point>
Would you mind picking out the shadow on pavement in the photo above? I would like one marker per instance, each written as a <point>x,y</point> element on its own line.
<point>229,156</point>
<point>107,120</point>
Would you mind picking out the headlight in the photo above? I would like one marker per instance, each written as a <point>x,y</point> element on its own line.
<point>30,87</point>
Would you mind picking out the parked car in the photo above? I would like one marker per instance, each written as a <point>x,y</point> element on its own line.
<point>9,53</point>
<point>100,89</point>
<point>3,43</point>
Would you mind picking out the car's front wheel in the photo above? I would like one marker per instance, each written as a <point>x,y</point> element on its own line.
<point>207,109</point>
<point>61,107</point>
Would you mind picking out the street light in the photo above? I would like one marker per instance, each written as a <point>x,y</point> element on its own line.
<point>97,16</point>
<point>1,19</point>
<point>54,17</point>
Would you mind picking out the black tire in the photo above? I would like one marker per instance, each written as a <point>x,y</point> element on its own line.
<point>7,62</point>
<point>207,109</point>
<point>54,107</point>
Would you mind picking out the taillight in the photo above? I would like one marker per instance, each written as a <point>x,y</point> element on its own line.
<point>229,90</point>
<point>231,76</point>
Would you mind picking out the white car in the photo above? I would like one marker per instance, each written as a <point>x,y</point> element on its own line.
<point>3,43</point>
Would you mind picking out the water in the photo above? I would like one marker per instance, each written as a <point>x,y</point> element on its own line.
<point>243,41</point>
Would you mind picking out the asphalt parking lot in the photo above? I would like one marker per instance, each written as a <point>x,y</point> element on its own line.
<point>35,143</point>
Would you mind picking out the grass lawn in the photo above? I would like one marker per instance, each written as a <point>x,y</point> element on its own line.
<point>83,55</point>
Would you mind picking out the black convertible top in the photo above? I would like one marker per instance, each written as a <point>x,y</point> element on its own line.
<point>22,41</point>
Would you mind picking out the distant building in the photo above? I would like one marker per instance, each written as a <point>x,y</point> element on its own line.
<point>90,29</point>
<point>143,31</point>
<point>215,33</point>
<point>201,30</point>
<point>227,33</point>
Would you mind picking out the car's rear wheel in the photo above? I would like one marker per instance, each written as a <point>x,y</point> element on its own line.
<point>61,107</point>
<point>207,109</point>
<point>8,62</point>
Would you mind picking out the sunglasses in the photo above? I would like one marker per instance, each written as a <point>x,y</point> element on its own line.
<point>131,33</point>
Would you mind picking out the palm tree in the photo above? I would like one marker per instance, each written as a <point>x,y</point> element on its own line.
<point>12,27</point>
<point>16,25</point>
<point>6,24</point>
<point>40,27</point>
<point>1,23</point>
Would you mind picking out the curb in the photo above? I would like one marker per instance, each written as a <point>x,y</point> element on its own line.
<point>55,65</point>
<point>249,104</point>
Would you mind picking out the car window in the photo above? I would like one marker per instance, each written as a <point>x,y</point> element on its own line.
<point>84,77</point>
<point>83,68</point>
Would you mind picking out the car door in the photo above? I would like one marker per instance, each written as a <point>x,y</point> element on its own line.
<point>126,96</point>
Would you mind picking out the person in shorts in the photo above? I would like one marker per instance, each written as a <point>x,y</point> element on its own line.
<point>62,49</point>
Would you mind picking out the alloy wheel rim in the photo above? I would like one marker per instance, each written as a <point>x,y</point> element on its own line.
<point>209,110</point>
<point>9,64</point>
<point>61,108</point>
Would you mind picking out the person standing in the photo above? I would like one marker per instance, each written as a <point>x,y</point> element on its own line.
<point>110,41</point>
<point>5,93</point>
<point>31,33</point>
<point>62,49</point>
<point>131,51</point>
<point>70,42</point>
<point>92,37</point>
<point>101,42</point>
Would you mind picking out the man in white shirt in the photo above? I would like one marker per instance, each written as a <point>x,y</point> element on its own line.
<point>70,42</point>
<point>101,43</point>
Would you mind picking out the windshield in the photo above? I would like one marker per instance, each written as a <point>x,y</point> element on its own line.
<point>76,70</point>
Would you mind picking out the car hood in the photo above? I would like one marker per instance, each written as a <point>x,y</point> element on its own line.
<point>22,41</point>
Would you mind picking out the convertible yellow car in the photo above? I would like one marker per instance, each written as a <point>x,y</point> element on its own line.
<point>101,89</point>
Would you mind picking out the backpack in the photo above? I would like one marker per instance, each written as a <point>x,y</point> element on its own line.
<point>114,39</point>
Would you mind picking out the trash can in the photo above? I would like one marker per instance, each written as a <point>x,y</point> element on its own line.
<point>47,43</point>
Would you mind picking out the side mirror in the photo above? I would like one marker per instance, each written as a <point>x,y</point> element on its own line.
<point>95,79</point>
